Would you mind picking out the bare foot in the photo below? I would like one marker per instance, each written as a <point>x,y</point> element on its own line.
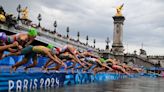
<point>45,69</point>
<point>26,69</point>
<point>13,69</point>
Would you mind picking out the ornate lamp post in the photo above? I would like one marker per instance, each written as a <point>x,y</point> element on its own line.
<point>55,25</point>
<point>94,41</point>
<point>78,35</point>
<point>107,41</point>
<point>19,10</point>
<point>135,52</point>
<point>87,38</point>
<point>67,32</point>
<point>39,19</point>
<point>2,10</point>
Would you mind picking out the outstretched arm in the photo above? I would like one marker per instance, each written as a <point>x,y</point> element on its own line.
<point>104,65</point>
<point>12,50</point>
<point>15,50</point>
<point>48,63</point>
<point>2,48</point>
<point>110,61</point>
<point>28,43</point>
<point>92,55</point>
<point>52,57</point>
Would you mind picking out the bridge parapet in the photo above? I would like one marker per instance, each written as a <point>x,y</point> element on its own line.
<point>156,57</point>
<point>47,37</point>
<point>138,60</point>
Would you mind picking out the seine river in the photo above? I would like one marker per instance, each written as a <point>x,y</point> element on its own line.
<point>125,85</point>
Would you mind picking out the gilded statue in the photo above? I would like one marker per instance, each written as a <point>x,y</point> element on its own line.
<point>119,9</point>
<point>24,13</point>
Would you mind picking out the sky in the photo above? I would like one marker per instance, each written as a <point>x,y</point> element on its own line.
<point>144,22</point>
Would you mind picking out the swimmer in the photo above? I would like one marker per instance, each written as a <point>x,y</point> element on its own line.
<point>68,48</point>
<point>31,52</point>
<point>71,50</point>
<point>88,53</point>
<point>90,60</point>
<point>124,65</point>
<point>114,66</point>
<point>3,45</point>
<point>101,69</point>
<point>64,57</point>
<point>95,64</point>
<point>24,39</point>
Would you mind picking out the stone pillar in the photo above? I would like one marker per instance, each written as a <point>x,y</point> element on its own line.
<point>117,46</point>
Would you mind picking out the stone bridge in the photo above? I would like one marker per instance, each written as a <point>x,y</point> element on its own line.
<point>131,59</point>
<point>46,37</point>
<point>138,60</point>
<point>155,59</point>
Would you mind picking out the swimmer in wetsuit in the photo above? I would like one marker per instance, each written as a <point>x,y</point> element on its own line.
<point>111,63</point>
<point>3,46</point>
<point>129,68</point>
<point>71,50</point>
<point>64,57</point>
<point>31,52</point>
<point>68,48</point>
<point>100,69</point>
<point>92,60</point>
<point>70,57</point>
<point>24,39</point>
<point>96,63</point>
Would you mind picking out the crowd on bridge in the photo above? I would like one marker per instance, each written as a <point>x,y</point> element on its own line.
<point>20,44</point>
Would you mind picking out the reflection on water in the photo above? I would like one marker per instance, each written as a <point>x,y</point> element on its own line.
<point>125,85</point>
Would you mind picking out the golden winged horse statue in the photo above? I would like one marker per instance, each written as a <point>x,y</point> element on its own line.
<point>119,9</point>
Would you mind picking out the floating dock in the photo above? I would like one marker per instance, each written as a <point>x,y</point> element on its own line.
<point>21,81</point>
<point>35,78</point>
